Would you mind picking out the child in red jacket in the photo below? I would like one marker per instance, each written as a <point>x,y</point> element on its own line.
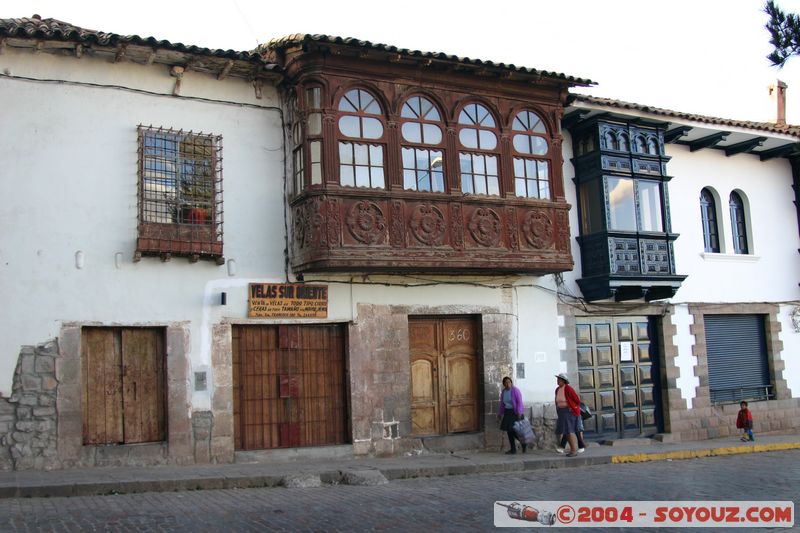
<point>744,421</point>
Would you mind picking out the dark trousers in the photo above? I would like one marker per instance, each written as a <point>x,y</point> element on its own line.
<point>512,440</point>
<point>564,442</point>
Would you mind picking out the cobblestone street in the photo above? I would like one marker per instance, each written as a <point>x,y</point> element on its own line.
<point>455,503</point>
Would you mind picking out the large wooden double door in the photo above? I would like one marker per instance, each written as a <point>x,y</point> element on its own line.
<point>445,363</point>
<point>618,376</point>
<point>289,386</point>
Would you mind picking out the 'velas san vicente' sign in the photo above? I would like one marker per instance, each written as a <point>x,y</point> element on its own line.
<point>287,300</point>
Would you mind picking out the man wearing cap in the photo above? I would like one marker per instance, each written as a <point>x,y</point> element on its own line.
<point>568,408</point>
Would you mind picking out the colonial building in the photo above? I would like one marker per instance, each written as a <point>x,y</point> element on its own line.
<point>330,246</point>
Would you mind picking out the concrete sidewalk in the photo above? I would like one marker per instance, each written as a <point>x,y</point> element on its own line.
<point>358,471</point>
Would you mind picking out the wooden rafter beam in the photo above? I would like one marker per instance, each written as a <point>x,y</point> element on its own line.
<point>780,151</point>
<point>573,117</point>
<point>676,133</point>
<point>744,146</point>
<point>225,70</point>
<point>120,55</point>
<point>708,141</point>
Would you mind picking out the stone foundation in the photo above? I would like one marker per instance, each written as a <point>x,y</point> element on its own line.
<point>28,418</point>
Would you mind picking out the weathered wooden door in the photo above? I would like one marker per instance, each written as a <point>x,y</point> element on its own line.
<point>444,375</point>
<point>290,386</point>
<point>123,379</point>
<point>618,376</point>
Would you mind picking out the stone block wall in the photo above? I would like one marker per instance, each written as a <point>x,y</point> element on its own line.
<point>28,417</point>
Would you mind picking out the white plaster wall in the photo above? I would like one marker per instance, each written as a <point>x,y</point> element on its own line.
<point>791,349</point>
<point>68,182</point>
<point>685,361</point>
<point>769,272</point>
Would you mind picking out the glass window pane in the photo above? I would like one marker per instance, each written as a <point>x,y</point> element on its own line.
<point>519,187</point>
<point>522,144</point>
<point>349,126</point>
<point>491,165</point>
<point>591,207</point>
<point>466,162</point>
<point>377,178</point>
<point>408,158</point>
<point>530,168</point>
<point>313,98</point>
<point>410,180</point>
<point>371,106</point>
<point>349,102</point>
<point>346,153</point>
<point>423,180</point>
<point>346,176</point>
<point>539,145</point>
<point>466,184</point>
<point>479,164</point>
<point>468,138</point>
<point>431,134</point>
<point>410,108</point>
<point>650,205</point>
<point>480,185</point>
<point>494,185</point>
<point>544,190</point>
<point>438,181</point>
<point>519,167</point>
<point>316,151</point>
<point>316,173</point>
<point>376,156</point>
<point>544,173</point>
<point>360,154</point>
<point>488,140</point>
<point>362,176</point>
<point>411,132</point>
<point>373,129</point>
<point>315,124</point>
<point>622,208</point>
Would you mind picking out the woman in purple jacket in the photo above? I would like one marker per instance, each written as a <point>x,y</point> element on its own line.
<point>510,411</point>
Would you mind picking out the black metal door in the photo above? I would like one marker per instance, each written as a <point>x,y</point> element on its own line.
<point>618,376</point>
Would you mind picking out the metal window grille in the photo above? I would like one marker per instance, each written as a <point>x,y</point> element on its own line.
<point>180,192</point>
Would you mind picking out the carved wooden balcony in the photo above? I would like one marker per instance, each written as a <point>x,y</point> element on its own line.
<point>367,231</point>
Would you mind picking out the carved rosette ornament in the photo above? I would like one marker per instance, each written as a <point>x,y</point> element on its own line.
<point>484,226</point>
<point>538,229</point>
<point>366,222</point>
<point>397,231</point>
<point>428,225</point>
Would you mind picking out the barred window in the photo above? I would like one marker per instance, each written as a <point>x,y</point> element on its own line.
<point>180,192</point>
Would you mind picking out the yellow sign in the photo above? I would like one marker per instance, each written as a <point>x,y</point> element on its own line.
<point>287,300</point>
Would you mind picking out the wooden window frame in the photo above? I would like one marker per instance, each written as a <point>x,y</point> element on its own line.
<point>738,224</point>
<point>496,152</point>
<point>708,216</point>
<point>525,157</point>
<point>370,142</point>
<point>179,215</point>
<point>430,148</point>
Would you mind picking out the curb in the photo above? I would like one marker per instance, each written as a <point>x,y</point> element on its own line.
<point>706,452</point>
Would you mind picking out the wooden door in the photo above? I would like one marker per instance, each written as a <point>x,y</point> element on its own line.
<point>123,380</point>
<point>290,386</point>
<point>618,376</point>
<point>444,375</point>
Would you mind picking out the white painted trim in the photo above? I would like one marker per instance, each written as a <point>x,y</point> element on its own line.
<point>730,258</point>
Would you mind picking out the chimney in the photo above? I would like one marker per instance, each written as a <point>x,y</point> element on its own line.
<point>778,92</point>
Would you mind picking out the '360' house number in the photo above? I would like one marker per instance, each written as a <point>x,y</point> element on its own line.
<point>459,334</point>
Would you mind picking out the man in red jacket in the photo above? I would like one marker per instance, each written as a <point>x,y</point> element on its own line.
<point>568,408</point>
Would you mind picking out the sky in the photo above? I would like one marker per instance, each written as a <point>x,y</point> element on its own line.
<point>697,56</point>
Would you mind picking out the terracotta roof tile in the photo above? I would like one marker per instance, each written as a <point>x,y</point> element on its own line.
<point>787,129</point>
<point>299,39</point>
<point>37,27</point>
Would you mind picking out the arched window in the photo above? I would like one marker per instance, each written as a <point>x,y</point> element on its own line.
<point>708,215</point>
<point>640,144</point>
<point>738,224</point>
<point>361,119</point>
<point>652,146</point>
<point>478,158</point>
<point>422,140</point>
<point>531,175</point>
<point>611,141</point>
<point>624,143</point>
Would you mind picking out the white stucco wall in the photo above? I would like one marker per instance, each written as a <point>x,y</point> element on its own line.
<point>69,184</point>
<point>768,274</point>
